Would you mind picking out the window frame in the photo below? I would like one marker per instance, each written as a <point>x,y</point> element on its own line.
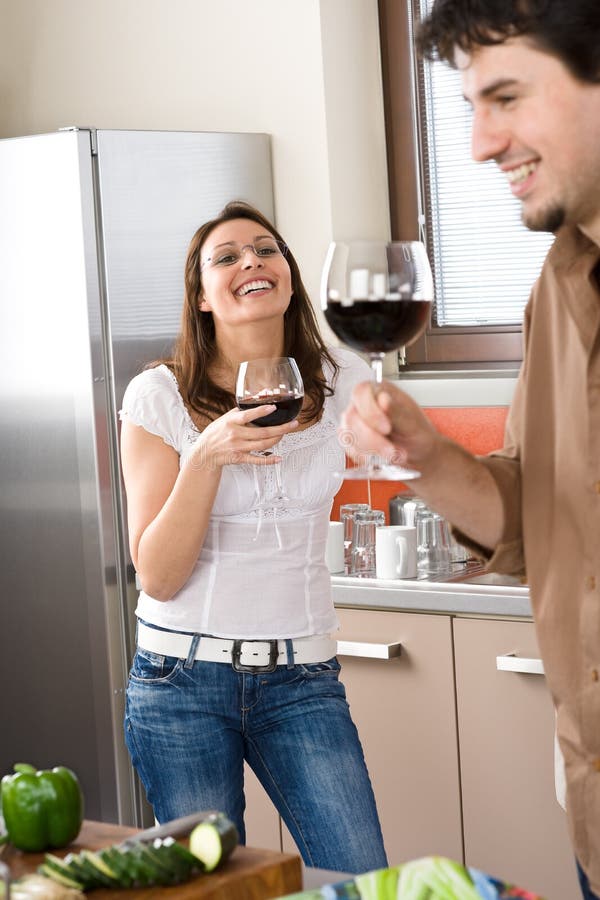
<point>449,347</point>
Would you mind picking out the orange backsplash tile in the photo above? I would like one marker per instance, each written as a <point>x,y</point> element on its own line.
<point>478,428</point>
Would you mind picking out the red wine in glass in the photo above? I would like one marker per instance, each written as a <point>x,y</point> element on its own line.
<point>376,297</point>
<point>287,408</point>
<point>378,326</point>
<point>276,381</point>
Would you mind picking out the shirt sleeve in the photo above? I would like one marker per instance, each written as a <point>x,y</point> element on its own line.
<point>504,466</point>
<point>152,400</point>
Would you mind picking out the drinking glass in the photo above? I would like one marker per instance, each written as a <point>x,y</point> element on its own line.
<point>276,381</point>
<point>366,523</point>
<point>376,297</point>
<point>433,543</point>
<point>347,513</point>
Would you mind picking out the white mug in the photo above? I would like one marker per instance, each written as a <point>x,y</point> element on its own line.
<point>334,550</point>
<point>396,551</point>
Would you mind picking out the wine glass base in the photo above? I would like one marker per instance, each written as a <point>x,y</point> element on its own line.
<point>379,472</point>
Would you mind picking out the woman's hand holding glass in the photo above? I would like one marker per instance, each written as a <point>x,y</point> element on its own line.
<point>234,439</point>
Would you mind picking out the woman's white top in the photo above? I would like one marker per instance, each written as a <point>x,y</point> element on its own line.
<point>259,574</point>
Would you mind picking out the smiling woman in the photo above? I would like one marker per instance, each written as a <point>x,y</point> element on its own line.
<point>235,660</point>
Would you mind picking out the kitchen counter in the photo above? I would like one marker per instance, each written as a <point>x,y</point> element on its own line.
<point>487,595</point>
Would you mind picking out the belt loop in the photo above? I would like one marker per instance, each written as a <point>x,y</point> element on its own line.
<point>289,646</point>
<point>192,652</point>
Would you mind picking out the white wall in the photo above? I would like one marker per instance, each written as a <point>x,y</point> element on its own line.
<point>305,71</point>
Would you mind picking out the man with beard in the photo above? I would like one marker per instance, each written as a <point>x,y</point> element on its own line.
<point>531,73</point>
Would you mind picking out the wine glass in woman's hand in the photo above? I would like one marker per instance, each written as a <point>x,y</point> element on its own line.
<point>275,381</point>
<point>376,297</point>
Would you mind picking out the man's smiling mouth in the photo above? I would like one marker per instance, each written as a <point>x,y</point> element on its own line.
<point>520,173</point>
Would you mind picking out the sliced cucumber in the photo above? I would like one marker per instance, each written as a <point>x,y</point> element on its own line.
<point>164,862</point>
<point>118,864</point>
<point>135,869</point>
<point>177,870</point>
<point>214,840</point>
<point>82,872</point>
<point>182,865</point>
<point>184,854</point>
<point>147,866</point>
<point>165,873</point>
<point>106,876</point>
<point>48,872</point>
<point>62,867</point>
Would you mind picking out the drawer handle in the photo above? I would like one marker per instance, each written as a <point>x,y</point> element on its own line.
<point>369,651</point>
<point>510,662</point>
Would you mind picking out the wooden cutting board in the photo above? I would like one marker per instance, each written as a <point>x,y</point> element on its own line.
<point>249,873</point>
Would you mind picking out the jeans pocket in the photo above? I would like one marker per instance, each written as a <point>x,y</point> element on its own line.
<point>153,668</point>
<point>329,668</point>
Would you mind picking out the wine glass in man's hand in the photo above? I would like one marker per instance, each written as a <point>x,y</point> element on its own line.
<point>275,381</point>
<point>376,297</point>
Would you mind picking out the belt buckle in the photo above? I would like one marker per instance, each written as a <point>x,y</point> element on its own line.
<point>236,653</point>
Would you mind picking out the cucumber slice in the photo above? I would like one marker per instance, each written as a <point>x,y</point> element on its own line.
<point>48,872</point>
<point>166,872</point>
<point>116,862</point>
<point>181,866</point>
<point>173,871</point>
<point>146,865</point>
<point>106,876</point>
<point>196,865</point>
<point>214,840</point>
<point>136,871</point>
<point>62,867</point>
<point>82,872</point>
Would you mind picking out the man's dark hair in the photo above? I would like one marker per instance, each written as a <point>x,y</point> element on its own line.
<point>568,29</point>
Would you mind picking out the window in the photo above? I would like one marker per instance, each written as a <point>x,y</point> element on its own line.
<point>484,259</point>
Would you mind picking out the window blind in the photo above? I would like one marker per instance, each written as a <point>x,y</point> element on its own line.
<point>485,260</point>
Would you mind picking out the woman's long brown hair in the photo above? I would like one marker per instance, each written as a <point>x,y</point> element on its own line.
<point>195,349</point>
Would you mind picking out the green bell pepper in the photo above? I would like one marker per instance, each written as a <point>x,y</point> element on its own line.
<point>41,809</point>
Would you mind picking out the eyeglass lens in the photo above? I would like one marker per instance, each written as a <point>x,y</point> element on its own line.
<point>231,254</point>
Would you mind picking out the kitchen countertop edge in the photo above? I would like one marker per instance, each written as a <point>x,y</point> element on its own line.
<point>511,601</point>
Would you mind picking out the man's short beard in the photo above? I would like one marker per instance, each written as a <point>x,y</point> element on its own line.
<point>545,220</point>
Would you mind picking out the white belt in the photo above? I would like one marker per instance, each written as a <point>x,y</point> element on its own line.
<point>243,655</point>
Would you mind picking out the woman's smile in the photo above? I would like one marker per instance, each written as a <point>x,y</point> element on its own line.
<point>254,287</point>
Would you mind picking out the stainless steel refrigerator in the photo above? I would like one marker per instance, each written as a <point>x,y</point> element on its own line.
<point>94,228</point>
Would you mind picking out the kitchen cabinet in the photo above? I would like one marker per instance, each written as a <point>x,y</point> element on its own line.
<point>513,825</point>
<point>403,708</point>
<point>460,752</point>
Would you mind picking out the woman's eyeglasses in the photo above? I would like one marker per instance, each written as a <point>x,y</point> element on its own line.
<point>230,254</point>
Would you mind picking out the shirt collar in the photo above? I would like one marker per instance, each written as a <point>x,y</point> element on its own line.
<point>572,249</point>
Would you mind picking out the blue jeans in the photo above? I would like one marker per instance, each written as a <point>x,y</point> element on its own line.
<point>585,885</point>
<point>189,726</point>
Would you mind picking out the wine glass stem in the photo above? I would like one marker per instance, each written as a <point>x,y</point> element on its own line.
<point>377,366</point>
<point>279,483</point>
